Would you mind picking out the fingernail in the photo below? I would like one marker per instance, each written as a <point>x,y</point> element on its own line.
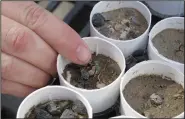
<point>83,54</point>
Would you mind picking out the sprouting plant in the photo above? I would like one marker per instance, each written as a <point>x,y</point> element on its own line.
<point>97,67</point>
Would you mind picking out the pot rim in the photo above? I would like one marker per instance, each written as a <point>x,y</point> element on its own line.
<point>140,64</point>
<point>125,41</point>
<point>100,89</point>
<point>31,95</point>
<point>150,44</point>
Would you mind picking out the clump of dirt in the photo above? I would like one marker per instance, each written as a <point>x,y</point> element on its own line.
<point>120,24</point>
<point>56,109</point>
<point>170,43</point>
<point>98,73</point>
<point>154,96</point>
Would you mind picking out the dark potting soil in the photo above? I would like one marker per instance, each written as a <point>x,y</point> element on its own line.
<point>170,43</point>
<point>58,109</point>
<point>154,96</point>
<point>99,72</point>
<point>120,24</point>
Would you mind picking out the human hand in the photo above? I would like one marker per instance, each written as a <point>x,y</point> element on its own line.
<point>31,39</point>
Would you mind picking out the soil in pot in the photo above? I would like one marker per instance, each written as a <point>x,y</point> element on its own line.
<point>120,24</point>
<point>58,109</point>
<point>170,43</point>
<point>98,73</point>
<point>154,96</point>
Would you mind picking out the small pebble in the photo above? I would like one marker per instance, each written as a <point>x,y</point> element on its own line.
<point>113,68</point>
<point>81,117</point>
<point>131,34</point>
<point>100,85</point>
<point>167,105</point>
<point>135,21</point>
<point>124,21</point>
<point>64,104</point>
<point>127,24</point>
<point>181,91</point>
<point>109,26</point>
<point>137,32</point>
<point>92,71</point>
<point>156,99</point>
<point>53,109</point>
<point>84,74</point>
<point>42,114</point>
<point>79,107</point>
<point>30,114</point>
<point>118,27</point>
<point>98,20</point>
<point>68,114</point>
<point>43,105</point>
<point>127,29</point>
<point>81,85</point>
<point>111,30</point>
<point>123,35</point>
<point>178,96</point>
<point>147,114</point>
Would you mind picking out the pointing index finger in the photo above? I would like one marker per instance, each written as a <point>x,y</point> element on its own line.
<point>55,32</point>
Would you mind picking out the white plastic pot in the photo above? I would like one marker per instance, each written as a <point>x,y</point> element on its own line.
<point>166,8</point>
<point>172,22</point>
<point>103,98</point>
<point>49,93</point>
<point>148,67</point>
<point>128,46</point>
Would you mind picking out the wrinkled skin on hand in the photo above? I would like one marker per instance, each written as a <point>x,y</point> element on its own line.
<point>31,39</point>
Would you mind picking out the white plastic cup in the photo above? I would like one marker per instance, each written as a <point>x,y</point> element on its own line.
<point>153,54</point>
<point>103,98</point>
<point>49,93</point>
<point>148,67</point>
<point>166,8</point>
<point>127,46</point>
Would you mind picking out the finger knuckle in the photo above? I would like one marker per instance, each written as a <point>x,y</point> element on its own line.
<point>7,65</point>
<point>34,16</point>
<point>16,38</point>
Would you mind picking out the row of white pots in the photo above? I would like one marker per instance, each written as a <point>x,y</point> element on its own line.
<point>98,100</point>
<point>128,46</point>
<point>141,42</point>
